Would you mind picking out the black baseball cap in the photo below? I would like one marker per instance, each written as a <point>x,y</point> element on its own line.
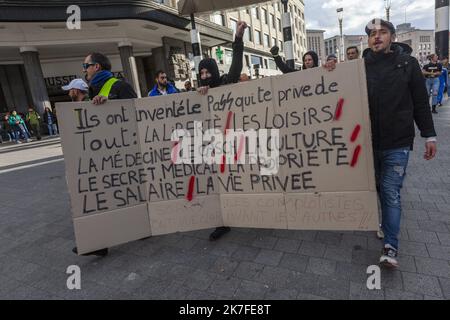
<point>332,57</point>
<point>374,23</point>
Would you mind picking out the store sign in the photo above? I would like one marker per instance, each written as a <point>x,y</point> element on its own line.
<point>55,83</point>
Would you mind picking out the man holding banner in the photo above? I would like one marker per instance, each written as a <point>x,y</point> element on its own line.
<point>103,86</point>
<point>102,83</point>
<point>397,98</point>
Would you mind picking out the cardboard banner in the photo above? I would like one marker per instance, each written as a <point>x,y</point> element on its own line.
<point>312,166</point>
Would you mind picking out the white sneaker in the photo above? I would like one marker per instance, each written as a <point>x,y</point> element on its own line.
<point>29,140</point>
<point>388,258</point>
<point>18,142</point>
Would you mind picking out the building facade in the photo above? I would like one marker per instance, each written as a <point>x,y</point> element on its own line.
<point>332,44</point>
<point>39,54</point>
<point>316,42</point>
<point>421,41</point>
<point>265,31</point>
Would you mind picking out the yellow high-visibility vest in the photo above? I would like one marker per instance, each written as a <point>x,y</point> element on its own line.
<point>106,89</point>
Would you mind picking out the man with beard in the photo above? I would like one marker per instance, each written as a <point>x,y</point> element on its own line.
<point>397,99</point>
<point>163,86</point>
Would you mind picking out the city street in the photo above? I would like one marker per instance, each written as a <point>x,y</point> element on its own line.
<point>36,241</point>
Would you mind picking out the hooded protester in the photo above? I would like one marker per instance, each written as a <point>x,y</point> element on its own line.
<point>209,71</point>
<point>397,99</point>
<point>210,78</point>
<point>310,60</point>
<point>209,66</point>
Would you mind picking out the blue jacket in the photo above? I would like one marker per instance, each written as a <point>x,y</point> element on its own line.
<point>170,90</point>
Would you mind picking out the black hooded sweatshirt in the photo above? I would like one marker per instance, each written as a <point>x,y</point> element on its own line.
<point>286,69</point>
<point>397,98</point>
<point>235,69</point>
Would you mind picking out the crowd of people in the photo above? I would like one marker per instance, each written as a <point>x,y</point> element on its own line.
<point>399,92</point>
<point>18,127</point>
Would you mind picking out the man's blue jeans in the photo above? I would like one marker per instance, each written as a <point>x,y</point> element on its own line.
<point>433,88</point>
<point>390,171</point>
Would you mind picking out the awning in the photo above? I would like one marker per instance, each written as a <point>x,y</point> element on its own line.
<point>188,7</point>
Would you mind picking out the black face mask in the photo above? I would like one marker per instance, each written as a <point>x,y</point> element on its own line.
<point>208,82</point>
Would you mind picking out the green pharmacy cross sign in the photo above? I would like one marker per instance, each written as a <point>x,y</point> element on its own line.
<point>219,53</point>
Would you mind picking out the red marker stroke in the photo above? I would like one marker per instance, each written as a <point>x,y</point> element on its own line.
<point>339,107</point>
<point>355,157</point>
<point>227,126</point>
<point>355,133</point>
<point>190,193</point>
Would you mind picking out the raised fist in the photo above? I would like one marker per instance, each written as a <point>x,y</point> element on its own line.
<point>241,26</point>
<point>274,51</point>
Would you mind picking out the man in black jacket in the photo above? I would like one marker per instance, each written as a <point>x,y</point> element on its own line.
<point>102,84</point>
<point>397,99</point>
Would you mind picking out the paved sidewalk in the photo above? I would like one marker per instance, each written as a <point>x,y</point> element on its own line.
<point>36,239</point>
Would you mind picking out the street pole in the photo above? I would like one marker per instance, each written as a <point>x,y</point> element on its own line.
<point>342,40</point>
<point>287,36</point>
<point>441,29</point>
<point>361,45</point>
<point>196,47</point>
<point>387,6</point>
<point>340,13</point>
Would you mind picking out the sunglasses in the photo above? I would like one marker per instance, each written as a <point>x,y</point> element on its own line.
<point>87,65</point>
